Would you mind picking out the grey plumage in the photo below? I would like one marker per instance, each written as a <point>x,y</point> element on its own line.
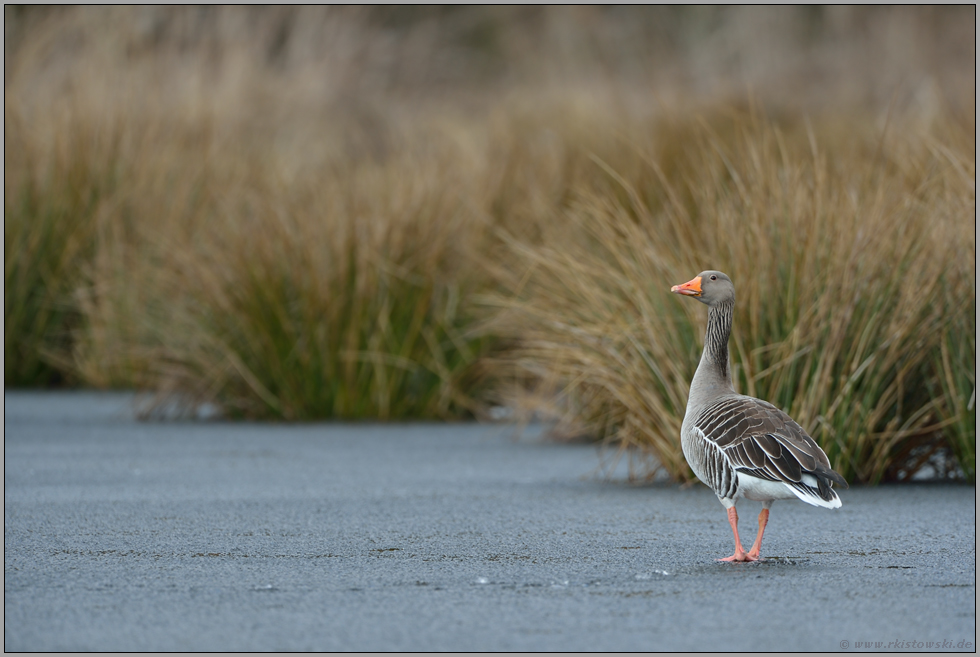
<point>757,439</point>
<point>738,445</point>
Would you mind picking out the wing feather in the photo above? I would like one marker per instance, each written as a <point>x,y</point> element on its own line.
<point>757,439</point>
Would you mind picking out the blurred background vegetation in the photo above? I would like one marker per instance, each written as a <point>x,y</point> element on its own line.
<point>445,212</point>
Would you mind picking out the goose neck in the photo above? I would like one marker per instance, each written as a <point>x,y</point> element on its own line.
<point>713,376</point>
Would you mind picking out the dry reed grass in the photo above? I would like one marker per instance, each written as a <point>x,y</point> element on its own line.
<point>409,220</point>
<point>343,292</point>
<point>841,258</point>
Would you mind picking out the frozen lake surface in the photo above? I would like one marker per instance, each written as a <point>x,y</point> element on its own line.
<point>212,536</point>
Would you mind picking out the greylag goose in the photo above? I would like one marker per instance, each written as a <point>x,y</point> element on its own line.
<point>741,446</point>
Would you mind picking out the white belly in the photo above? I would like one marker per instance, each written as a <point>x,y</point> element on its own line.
<point>762,490</point>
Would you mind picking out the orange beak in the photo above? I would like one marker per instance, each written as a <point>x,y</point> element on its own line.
<point>690,289</point>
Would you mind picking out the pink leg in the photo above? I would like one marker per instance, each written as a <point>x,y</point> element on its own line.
<point>763,521</point>
<point>740,554</point>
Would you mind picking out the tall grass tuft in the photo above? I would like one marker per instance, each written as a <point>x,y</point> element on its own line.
<point>52,207</point>
<point>344,299</point>
<point>342,292</point>
<point>953,193</point>
<point>838,258</point>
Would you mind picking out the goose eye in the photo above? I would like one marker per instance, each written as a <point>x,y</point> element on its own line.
<point>714,278</point>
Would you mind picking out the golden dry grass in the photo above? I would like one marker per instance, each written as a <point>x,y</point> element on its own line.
<point>845,284</point>
<point>430,212</point>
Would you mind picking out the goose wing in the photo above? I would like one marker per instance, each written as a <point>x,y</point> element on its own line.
<point>759,440</point>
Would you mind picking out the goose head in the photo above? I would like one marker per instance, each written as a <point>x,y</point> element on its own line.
<point>709,287</point>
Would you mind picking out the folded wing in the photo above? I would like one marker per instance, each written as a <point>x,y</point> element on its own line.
<point>759,440</point>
